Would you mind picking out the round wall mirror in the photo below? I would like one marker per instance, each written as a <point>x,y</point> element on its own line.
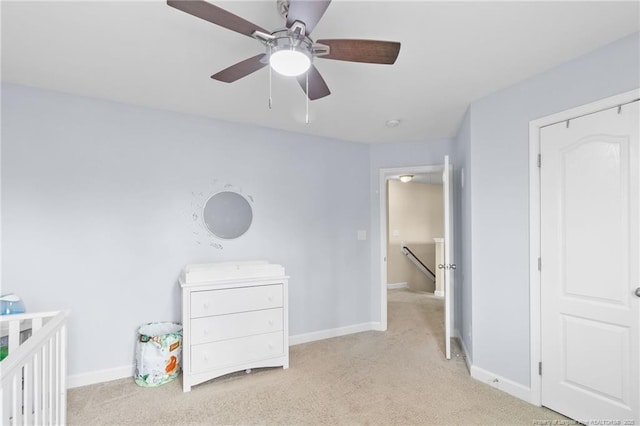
<point>227,215</point>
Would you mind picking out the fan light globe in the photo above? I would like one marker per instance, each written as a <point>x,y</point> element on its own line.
<point>289,63</point>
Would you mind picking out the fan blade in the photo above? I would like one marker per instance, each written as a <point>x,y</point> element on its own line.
<point>369,51</point>
<point>208,12</point>
<point>241,69</point>
<point>308,12</point>
<point>317,87</point>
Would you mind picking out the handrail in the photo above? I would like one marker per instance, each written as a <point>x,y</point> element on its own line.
<point>416,261</point>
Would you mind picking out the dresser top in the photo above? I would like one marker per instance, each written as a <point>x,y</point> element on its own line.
<point>222,272</point>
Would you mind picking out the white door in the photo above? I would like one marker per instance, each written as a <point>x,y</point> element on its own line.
<point>590,316</point>
<point>448,256</point>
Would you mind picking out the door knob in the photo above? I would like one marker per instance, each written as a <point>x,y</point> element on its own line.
<point>638,291</point>
<point>449,266</point>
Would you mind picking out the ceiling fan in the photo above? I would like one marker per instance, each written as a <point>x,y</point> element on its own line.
<point>290,51</point>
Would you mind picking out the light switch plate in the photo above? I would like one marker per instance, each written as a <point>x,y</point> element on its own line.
<point>362,235</point>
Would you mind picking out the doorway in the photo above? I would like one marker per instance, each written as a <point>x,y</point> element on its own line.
<point>585,239</point>
<point>385,175</point>
<point>415,217</point>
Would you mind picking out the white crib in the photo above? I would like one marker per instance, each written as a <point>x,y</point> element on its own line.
<point>33,375</point>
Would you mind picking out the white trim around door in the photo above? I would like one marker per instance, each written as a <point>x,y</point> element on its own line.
<point>534,223</point>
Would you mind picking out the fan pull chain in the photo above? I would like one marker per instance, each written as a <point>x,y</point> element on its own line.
<point>270,100</point>
<point>307,97</point>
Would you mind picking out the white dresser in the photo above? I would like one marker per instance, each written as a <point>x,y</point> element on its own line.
<point>234,317</point>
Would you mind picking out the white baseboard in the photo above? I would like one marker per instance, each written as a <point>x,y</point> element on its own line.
<point>333,332</point>
<point>100,376</point>
<point>512,388</point>
<point>465,352</point>
<point>393,286</point>
<point>377,326</point>
<point>439,293</point>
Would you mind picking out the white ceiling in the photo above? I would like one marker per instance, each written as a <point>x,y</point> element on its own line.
<point>147,53</point>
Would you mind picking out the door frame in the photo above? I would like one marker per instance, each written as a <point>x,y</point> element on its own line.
<point>535,330</point>
<point>385,174</point>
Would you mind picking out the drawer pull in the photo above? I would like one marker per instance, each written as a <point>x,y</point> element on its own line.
<point>205,306</point>
<point>270,322</point>
<point>270,298</point>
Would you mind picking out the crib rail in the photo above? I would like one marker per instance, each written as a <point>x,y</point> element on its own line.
<point>33,376</point>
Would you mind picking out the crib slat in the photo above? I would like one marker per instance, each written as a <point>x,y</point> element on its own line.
<point>16,406</point>
<point>27,392</point>
<point>44,409</point>
<point>63,375</point>
<point>3,413</point>
<point>37,385</point>
<point>42,396</point>
<point>14,335</point>
<point>56,379</point>
<point>52,379</point>
<point>51,374</point>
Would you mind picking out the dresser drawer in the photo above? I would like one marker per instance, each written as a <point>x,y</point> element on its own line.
<point>223,327</point>
<point>220,302</point>
<point>226,353</point>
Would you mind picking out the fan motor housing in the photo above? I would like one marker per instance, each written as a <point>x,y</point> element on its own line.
<point>285,39</point>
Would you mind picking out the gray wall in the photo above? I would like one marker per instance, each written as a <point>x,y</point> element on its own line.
<point>97,215</point>
<point>499,177</point>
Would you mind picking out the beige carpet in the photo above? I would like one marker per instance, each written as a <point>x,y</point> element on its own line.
<point>396,377</point>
